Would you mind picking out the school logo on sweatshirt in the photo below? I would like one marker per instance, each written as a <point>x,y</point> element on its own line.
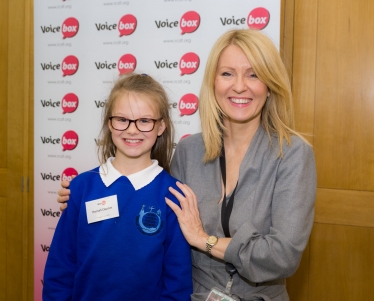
<point>149,222</point>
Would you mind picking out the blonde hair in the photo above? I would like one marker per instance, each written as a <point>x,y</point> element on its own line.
<point>277,113</point>
<point>145,85</point>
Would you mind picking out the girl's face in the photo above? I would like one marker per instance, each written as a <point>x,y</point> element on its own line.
<point>239,93</point>
<point>133,145</point>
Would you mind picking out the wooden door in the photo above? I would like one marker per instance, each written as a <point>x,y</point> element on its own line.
<point>16,134</point>
<point>333,84</point>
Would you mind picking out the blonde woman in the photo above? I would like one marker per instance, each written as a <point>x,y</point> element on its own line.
<point>251,177</point>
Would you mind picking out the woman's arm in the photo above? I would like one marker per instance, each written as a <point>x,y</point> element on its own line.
<point>260,252</point>
<point>190,223</point>
<point>64,194</point>
<point>188,214</point>
<point>276,254</point>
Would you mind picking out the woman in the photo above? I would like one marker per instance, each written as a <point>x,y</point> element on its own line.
<point>251,178</point>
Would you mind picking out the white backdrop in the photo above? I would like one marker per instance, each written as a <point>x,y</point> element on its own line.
<point>80,49</point>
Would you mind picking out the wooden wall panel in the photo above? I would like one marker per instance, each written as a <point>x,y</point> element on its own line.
<point>3,176</point>
<point>287,28</point>
<point>341,263</point>
<point>16,226</point>
<point>3,142</point>
<point>298,284</point>
<point>15,127</point>
<point>345,207</point>
<point>28,200</point>
<point>3,219</point>
<point>3,81</point>
<point>304,65</point>
<point>333,85</point>
<point>303,86</point>
<point>344,108</point>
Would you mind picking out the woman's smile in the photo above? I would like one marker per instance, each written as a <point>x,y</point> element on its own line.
<point>239,92</point>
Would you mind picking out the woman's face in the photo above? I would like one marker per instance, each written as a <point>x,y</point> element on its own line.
<point>238,91</point>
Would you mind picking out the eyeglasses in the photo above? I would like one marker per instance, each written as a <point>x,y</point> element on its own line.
<point>142,124</point>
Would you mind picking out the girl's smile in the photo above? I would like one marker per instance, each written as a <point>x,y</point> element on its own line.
<point>132,145</point>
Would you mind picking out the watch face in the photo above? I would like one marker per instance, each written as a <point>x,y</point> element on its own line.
<point>212,240</point>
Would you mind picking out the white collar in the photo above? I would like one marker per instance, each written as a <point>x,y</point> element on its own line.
<point>138,180</point>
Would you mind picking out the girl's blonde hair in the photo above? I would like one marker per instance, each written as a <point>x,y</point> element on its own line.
<point>277,113</point>
<point>145,85</point>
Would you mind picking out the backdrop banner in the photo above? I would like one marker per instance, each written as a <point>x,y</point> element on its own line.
<point>80,49</point>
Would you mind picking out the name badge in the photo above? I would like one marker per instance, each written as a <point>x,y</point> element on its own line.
<point>217,295</point>
<point>102,209</point>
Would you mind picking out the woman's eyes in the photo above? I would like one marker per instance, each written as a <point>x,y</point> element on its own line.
<point>251,75</point>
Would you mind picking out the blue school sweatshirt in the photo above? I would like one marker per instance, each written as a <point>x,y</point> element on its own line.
<point>139,255</point>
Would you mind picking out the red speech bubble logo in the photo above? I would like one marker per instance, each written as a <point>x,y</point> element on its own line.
<point>127,25</point>
<point>69,140</point>
<point>189,63</point>
<point>258,18</point>
<point>68,173</point>
<point>69,103</point>
<point>70,65</point>
<point>189,22</point>
<point>126,64</point>
<point>70,28</point>
<point>188,104</point>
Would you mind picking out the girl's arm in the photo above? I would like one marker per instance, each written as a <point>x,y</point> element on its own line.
<point>177,276</point>
<point>61,265</point>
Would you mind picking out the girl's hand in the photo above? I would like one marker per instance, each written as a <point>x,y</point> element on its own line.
<point>188,216</point>
<point>63,195</point>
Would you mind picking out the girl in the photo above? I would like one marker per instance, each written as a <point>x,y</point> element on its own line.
<point>119,240</point>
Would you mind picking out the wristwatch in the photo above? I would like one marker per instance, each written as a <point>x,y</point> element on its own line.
<point>210,242</point>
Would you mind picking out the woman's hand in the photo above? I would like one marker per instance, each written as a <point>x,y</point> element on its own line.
<point>63,195</point>
<point>188,216</point>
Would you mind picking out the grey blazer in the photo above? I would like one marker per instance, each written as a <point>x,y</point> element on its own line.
<point>271,219</point>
